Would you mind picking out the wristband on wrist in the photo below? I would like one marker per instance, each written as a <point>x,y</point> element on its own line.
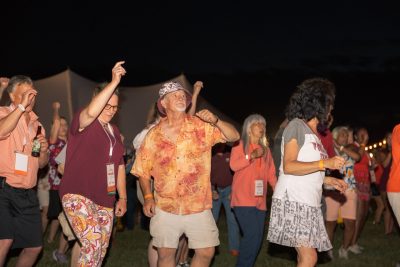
<point>123,198</point>
<point>21,107</point>
<point>148,196</point>
<point>321,165</point>
<point>216,121</point>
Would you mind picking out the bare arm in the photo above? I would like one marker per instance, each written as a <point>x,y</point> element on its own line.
<point>9,122</point>
<point>56,123</point>
<point>352,153</point>
<point>93,110</point>
<point>294,167</point>
<point>228,130</point>
<point>149,204</point>
<point>351,150</point>
<point>338,184</point>
<point>196,91</point>
<point>120,207</point>
<point>3,84</point>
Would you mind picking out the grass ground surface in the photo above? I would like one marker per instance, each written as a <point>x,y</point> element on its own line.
<point>129,248</point>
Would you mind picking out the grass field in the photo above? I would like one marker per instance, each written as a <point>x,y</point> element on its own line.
<point>129,248</point>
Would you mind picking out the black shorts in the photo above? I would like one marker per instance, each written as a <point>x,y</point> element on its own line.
<point>20,216</point>
<point>54,205</point>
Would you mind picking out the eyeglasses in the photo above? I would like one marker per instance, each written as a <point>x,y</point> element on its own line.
<point>108,107</point>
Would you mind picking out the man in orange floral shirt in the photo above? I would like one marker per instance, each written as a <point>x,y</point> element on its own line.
<point>177,154</point>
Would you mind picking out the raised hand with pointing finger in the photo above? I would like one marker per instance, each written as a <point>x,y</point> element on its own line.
<point>118,71</point>
<point>98,174</point>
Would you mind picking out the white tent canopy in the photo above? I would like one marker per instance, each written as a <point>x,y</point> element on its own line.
<point>74,91</point>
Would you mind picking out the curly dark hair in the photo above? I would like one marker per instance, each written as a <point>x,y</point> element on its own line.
<point>312,98</point>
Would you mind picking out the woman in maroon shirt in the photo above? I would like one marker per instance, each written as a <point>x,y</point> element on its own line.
<point>94,170</point>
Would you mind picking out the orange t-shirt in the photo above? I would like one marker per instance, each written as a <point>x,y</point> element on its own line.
<point>393,184</point>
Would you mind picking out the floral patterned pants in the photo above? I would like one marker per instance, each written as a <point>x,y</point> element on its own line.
<point>92,225</point>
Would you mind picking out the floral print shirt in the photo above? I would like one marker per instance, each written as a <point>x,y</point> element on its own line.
<point>181,169</point>
<point>54,175</point>
<point>348,170</point>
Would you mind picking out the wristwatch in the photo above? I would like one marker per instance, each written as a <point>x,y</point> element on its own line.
<point>21,107</point>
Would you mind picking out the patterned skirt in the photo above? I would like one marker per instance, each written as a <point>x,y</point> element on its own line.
<point>295,224</point>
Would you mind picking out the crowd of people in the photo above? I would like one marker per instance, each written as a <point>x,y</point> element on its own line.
<point>183,167</point>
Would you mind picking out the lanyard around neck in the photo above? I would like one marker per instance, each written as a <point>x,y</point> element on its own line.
<point>110,153</point>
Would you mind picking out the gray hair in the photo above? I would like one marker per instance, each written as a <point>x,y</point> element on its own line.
<point>250,120</point>
<point>17,80</point>
<point>337,130</point>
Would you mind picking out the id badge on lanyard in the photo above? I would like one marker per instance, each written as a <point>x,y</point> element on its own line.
<point>110,179</point>
<point>259,188</point>
<point>21,163</point>
<point>111,188</point>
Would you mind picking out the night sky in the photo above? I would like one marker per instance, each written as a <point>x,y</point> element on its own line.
<point>252,54</point>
